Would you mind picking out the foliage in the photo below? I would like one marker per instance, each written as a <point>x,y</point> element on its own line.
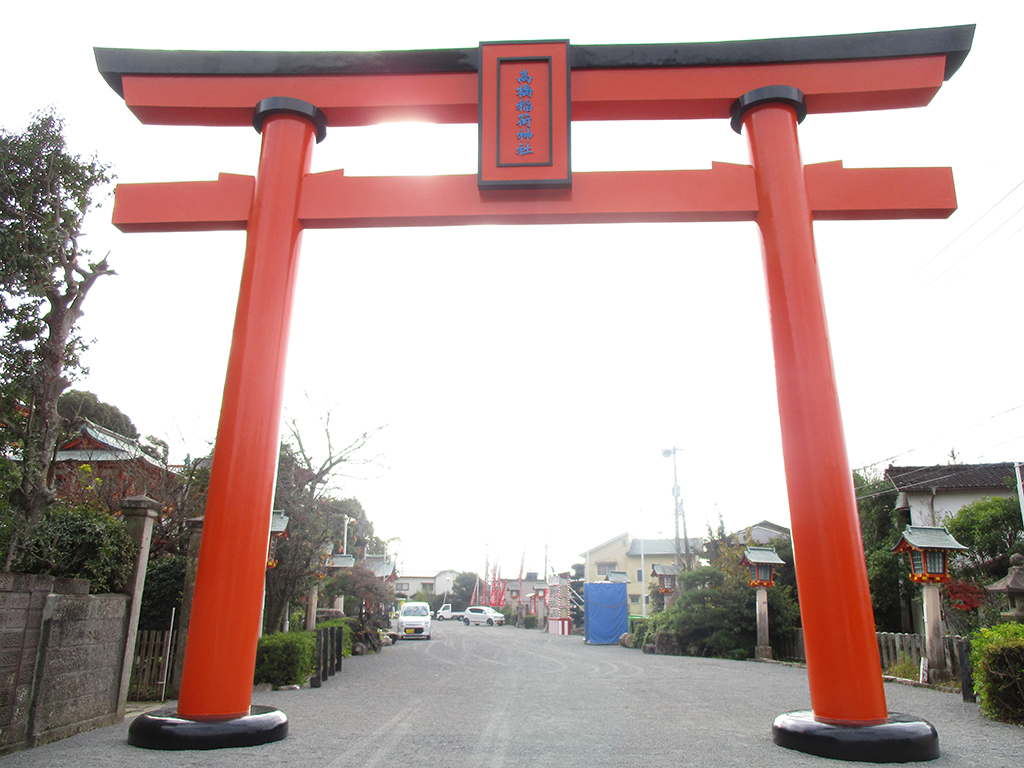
<point>183,498</point>
<point>76,404</point>
<point>44,277</point>
<point>316,520</point>
<point>423,596</point>
<point>991,529</point>
<point>287,658</point>
<point>361,586</point>
<point>997,659</point>
<point>530,621</point>
<point>903,669</point>
<point>81,542</point>
<point>714,613</point>
<point>165,585</point>
<point>461,595</point>
<point>881,527</point>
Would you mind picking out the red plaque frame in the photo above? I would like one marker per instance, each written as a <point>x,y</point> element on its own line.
<point>541,160</point>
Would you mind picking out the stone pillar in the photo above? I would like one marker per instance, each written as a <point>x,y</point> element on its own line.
<point>764,648</point>
<point>138,513</point>
<point>195,527</point>
<point>933,633</point>
<point>311,605</point>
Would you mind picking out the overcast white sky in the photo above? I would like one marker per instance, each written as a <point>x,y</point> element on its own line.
<point>527,398</point>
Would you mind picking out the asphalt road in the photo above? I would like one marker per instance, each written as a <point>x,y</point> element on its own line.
<point>497,696</point>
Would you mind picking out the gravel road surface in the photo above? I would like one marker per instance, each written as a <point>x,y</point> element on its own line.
<point>489,697</point>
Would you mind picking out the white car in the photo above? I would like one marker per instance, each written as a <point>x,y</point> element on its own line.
<point>482,614</point>
<point>414,620</point>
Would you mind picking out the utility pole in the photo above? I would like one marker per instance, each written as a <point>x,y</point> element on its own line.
<point>678,510</point>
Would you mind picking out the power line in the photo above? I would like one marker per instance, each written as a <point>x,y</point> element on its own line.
<point>975,247</point>
<point>981,423</point>
<point>951,242</point>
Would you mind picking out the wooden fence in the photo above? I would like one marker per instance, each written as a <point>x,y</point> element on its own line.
<point>153,668</point>
<point>896,648</point>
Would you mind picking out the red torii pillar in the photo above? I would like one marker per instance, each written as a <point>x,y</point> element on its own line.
<point>849,718</point>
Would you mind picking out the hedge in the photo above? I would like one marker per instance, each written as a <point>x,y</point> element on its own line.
<point>288,658</point>
<point>997,659</point>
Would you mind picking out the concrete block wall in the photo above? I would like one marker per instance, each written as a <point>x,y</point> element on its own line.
<point>22,600</point>
<point>61,657</point>
<point>79,677</point>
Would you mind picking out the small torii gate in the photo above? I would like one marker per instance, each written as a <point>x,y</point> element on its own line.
<point>524,96</point>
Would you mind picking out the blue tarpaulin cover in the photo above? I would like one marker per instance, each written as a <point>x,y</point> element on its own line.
<point>606,612</point>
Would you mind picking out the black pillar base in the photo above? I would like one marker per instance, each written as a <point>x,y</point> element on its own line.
<point>903,739</point>
<point>164,729</point>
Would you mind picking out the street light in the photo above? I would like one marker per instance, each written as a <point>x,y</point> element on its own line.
<point>666,452</point>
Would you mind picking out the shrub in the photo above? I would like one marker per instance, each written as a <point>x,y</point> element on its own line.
<point>288,658</point>
<point>81,542</point>
<point>530,621</point>
<point>165,584</point>
<point>997,658</point>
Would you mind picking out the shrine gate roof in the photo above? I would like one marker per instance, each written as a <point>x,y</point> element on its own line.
<point>952,42</point>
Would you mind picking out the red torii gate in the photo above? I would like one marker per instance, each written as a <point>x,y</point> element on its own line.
<point>766,87</point>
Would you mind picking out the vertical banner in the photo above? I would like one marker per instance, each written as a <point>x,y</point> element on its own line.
<point>524,116</point>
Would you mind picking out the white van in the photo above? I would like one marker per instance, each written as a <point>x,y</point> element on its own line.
<point>414,620</point>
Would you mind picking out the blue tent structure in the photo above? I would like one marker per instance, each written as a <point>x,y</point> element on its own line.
<point>606,608</point>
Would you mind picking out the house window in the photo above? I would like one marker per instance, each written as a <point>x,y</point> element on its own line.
<point>427,586</point>
<point>606,567</point>
<point>401,587</point>
<point>635,599</point>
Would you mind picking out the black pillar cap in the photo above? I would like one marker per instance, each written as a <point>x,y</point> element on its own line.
<point>901,739</point>
<point>165,729</point>
<point>278,104</point>
<point>785,94</point>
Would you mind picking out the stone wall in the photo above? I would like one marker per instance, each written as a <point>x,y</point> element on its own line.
<point>61,658</point>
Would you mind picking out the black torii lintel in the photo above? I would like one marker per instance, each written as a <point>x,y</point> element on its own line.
<point>953,42</point>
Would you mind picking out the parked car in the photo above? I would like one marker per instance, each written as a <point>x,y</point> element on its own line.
<point>446,612</point>
<point>482,614</point>
<point>414,620</point>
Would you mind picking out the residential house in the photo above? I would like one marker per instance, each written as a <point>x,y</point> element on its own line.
<point>408,583</point>
<point>931,495</point>
<point>635,558</point>
<point>761,533</point>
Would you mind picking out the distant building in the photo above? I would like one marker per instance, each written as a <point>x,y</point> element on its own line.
<point>635,558</point>
<point>761,533</point>
<point>382,567</point>
<point>99,464</point>
<point>408,583</point>
<point>929,496</point>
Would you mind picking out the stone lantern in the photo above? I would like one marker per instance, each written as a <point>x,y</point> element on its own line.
<point>929,549</point>
<point>762,562</point>
<point>1012,585</point>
